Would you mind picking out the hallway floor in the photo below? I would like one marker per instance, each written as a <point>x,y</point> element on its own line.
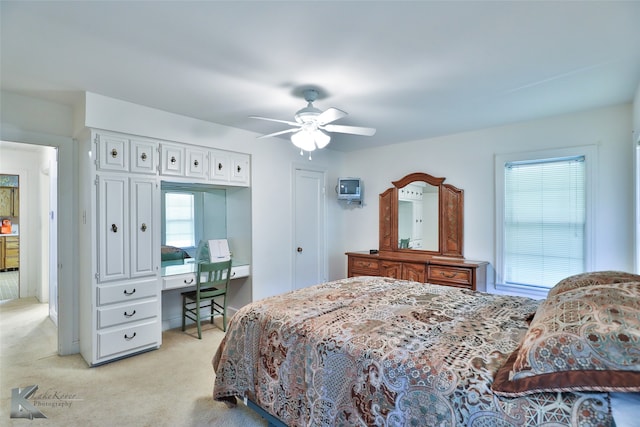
<point>9,285</point>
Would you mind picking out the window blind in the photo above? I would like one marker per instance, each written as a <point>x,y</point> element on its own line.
<point>179,220</point>
<point>544,221</point>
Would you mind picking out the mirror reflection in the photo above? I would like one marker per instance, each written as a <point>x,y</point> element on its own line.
<point>418,216</point>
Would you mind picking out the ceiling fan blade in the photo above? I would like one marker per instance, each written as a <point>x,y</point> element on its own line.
<point>276,120</point>
<point>355,130</point>
<point>330,115</point>
<point>282,132</point>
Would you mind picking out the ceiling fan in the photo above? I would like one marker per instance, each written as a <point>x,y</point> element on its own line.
<point>311,126</point>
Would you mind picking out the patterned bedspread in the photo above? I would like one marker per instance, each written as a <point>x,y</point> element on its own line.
<point>371,351</point>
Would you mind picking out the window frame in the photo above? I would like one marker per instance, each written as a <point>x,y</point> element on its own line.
<point>590,154</point>
<point>197,215</point>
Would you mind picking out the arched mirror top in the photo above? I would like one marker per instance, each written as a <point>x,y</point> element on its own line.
<point>422,214</point>
<point>418,176</point>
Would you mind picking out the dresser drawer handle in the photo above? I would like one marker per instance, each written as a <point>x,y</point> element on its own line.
<point>129,338</point>
<point>130,293</point>
<point>447,275</point>
<point>114,153</point>
<point>129,314</point>
<point>143,156</point>
<point>189,282</point>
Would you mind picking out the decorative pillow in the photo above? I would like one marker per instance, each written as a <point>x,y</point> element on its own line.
<point>585,339</point>
<point>593,278</point>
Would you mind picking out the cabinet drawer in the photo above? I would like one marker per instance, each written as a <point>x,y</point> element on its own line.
<point>128,339</point>
<point>127,291</point>
<point>12,243</point>
<point>364,266</point>
<point>179,281</point>
<point>127,313</point>
<point>456,276</point>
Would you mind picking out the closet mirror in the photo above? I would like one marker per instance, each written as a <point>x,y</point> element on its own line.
<point>422,213</point>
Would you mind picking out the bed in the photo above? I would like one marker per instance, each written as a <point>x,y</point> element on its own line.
<point>368,351</point>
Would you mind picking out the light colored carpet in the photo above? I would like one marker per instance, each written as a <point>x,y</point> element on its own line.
<point>171,386</point>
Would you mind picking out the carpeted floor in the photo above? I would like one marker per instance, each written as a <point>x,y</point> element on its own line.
<point>171,386</point>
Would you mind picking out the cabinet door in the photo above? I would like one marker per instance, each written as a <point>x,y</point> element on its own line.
<point>218,166</point>
<point>112,152</point>
<point>413,271</point>
<point>144,222</point>
<point>16,202</point>
<point>113,224</point>
<point>6,201</point>
<point>2,244</point>
<point>172,159</point>
<point>239,169</point>
<point>144,156</point>
<point>196,163</point>
<point>391,269</point>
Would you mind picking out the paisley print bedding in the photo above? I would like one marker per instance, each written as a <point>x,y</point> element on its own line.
<point>376,351</point>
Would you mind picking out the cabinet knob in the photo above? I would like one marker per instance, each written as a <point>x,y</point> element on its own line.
<point>143,227</point>
<point>219,166</point>
<point>114,228</point>
<point>239,168</point>
<point>173,160</point>
<point>114,153</point>
<point>196,163</point>
<point>143,156</point>
<point>299,249</point>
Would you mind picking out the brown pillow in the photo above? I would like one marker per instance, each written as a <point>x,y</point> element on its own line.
<point>593,278</point>
<point>585,339</point>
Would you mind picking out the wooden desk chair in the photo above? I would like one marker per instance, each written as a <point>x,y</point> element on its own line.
<point>214,285</point>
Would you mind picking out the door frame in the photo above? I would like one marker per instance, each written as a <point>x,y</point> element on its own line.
<point>68,304</point>
<point>318,169</point>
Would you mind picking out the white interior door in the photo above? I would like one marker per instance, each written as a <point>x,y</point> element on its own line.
<point>309,228</point>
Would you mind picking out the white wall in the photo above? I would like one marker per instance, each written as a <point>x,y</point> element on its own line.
<point>467,161</point>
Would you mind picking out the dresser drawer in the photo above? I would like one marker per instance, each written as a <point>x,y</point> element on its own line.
<point>126,292</point>
<point>127,313</point>
<point>455,276</point>
<point>364,266</point>
<point>128,339</point>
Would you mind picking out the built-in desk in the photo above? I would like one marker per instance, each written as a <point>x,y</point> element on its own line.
<point>182,274</point>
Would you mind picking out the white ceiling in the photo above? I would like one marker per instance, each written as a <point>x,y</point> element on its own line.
<point>413,70</point>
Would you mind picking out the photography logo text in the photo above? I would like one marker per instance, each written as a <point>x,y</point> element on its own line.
<point>23,408</point>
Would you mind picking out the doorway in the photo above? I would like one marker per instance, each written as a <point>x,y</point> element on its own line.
<point>9,237</point>
<point>309,228</point>
<point>25,169</point>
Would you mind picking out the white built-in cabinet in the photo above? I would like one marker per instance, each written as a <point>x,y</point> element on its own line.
<point>120,304</point>
<point>204,165</point>
<point>121,287</point>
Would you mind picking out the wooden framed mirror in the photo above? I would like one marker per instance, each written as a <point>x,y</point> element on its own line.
<point>421,213</point>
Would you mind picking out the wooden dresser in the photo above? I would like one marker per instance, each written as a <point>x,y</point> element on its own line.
<point>420,267</point>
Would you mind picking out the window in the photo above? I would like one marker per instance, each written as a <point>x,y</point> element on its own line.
<point>542,213</point>
<point>179,220</point>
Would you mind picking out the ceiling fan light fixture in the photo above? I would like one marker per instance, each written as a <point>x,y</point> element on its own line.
<point>303,140</point>
<point>321,138</point>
